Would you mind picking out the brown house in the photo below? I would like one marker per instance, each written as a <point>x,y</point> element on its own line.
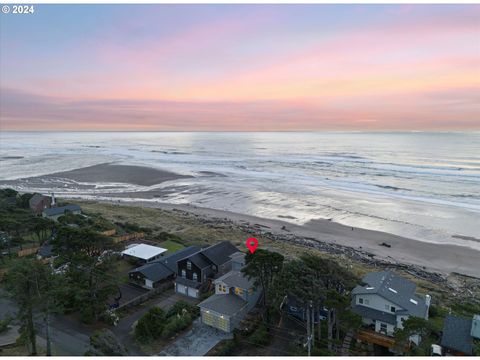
<point>39,202</point>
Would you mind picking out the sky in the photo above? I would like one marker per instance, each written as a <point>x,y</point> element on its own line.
<point>241,68</point>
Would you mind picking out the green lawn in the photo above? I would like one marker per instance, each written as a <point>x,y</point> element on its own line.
<point>171,246</point>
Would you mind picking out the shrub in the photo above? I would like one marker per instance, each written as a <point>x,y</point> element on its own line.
<point>260,336</point>
<point>182,307</point>
<point>175,324</point>
<point>150,325</point>
<point>4,324</point>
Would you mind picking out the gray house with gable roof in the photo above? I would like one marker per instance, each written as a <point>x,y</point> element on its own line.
<point>387,300</point>
<point>235,295</point>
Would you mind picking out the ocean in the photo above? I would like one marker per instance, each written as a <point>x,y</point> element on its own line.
<point>420,185</point>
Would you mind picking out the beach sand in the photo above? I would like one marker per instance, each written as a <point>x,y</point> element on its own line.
<point>110,173</point>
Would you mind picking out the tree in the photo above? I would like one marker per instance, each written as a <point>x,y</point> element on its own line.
<point>26,282</point>
<point>263,266</point>
<point>150,325</point>
<point>412,326</point>
<point>41,228</point>
<point>88,282</point>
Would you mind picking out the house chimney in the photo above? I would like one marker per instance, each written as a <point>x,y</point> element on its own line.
<point>428,299</point>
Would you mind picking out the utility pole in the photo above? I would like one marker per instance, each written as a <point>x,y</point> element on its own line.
<point>312,322</point>
<point>309,336</point>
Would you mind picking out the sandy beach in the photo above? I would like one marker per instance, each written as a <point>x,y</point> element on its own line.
<point>104,173</point>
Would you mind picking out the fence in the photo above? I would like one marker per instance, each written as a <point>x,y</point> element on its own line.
<point>29,251</point>
<point>109,232</point>
<point>147,296</point>
<point>126,237</point>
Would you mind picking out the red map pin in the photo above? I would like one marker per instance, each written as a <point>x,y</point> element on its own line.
<point>252,244</point>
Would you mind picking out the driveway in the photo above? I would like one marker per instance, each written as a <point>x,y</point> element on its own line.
<point>196,342</point>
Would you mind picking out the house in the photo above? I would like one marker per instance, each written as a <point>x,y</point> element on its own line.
<point>142,253</point>
<point>386,301</point>
<point>45,252</point>
<point>153,274</point>
<point>39,202</point>
<point>235,295</point>
<point>55,212</point>
<point>196,271</point>
<point>458,334</point>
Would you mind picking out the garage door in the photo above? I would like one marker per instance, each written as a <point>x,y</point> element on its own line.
<point>215,321</point>
<point>182,289</point>
<point>192,292</point>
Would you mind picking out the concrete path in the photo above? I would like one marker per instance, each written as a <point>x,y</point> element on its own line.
<point>196,342</point>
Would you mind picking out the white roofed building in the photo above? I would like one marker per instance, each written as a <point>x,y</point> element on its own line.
<point>143,253</point>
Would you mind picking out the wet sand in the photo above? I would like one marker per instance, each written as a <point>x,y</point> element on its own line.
<point>109,173</point>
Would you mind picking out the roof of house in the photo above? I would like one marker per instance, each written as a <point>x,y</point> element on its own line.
<point>154,271</point>
<point>61,210</point>
<point>373,314</point>
<point>143,251</point>
<point>227,304</point>
<point>199,260</point>
<point>219,253</point>
<point>36,199</point>
<point>394,288</point>
<point>45,251</point>
<point>165,267</point>
<point>456,334</point>
<point>171,260</point>
<point>235,279</point>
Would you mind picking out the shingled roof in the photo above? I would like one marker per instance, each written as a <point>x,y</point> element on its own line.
<point>235,279</point>
<point>227,304</point>
<point>456,334</point>
<point>36,199</point>
<point>220,253</point>
<point>396,289</point>
<point>61,210</point>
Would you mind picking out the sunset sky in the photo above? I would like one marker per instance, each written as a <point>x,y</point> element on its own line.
<point>241,67</point>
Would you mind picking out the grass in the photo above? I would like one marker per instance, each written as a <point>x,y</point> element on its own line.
<point>171,246</point>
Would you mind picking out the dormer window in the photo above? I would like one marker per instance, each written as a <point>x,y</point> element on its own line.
<point>189,265</point>
<point>195,276</point>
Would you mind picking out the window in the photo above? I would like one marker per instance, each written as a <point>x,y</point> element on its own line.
<point>360,300</point>
<point>387,307</point>
<point>195,276</point>
<point>383,328</point>
<point>392,309</point>
<point>293,308</point>
<point>189,265</point>
<point>366,301</point>
<point>238,291</point>
<point>184,273</point>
